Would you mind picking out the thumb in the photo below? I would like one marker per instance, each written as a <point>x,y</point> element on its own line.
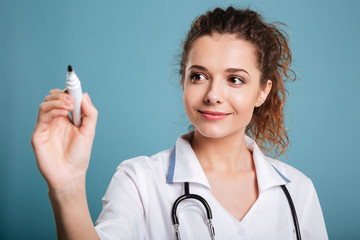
<point>88,124</point>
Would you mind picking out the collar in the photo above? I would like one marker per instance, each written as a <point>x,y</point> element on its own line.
<point>267,175</point>
<point>185,167</point>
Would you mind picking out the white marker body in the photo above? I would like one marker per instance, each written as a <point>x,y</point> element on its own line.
<point>73,87</point>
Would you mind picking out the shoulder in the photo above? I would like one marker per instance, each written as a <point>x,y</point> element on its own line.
<point>298,179</point>
<point>146,166</point>
<point>306,201</point>
<point>287,170</point>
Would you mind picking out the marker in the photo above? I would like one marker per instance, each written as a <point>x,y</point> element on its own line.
<point>73,87</point>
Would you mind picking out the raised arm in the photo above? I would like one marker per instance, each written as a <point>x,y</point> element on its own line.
<point>62,153</point>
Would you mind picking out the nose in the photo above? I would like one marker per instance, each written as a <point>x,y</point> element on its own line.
<point>215,93</point>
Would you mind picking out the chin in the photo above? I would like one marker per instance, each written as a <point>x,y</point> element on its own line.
<point>212,132</point>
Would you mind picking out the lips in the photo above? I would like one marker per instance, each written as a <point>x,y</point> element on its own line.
<point>210,115</point>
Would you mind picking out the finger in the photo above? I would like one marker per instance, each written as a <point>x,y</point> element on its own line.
<point>45,119</point>
<point>59,104</point>
<point>54,113</point>
<point>56,90</point>
<point>89,120</point>
<point>59,96</point>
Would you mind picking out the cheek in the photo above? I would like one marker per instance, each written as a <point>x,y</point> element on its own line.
<point>243,105</point>
<point>188,98</point>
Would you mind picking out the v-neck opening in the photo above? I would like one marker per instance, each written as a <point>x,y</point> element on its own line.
<point>232,216</point>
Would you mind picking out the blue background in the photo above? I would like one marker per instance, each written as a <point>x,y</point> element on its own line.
<point>125,54</point>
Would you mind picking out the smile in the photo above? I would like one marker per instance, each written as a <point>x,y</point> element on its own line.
<point>213,115</point>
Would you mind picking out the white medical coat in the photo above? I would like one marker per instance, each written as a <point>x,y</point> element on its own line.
<point>139,200</point>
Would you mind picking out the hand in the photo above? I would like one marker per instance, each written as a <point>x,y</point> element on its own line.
<point>62,150</point>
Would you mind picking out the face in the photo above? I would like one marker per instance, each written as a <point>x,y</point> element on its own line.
<point>222,85</point>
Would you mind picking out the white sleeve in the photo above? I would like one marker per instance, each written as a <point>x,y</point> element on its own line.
<point>122,216</point>
<point>312,223</point>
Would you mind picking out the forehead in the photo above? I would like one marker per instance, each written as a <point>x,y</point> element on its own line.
<point>222,52</point>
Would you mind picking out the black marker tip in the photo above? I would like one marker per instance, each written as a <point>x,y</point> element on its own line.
<point>70,68</point>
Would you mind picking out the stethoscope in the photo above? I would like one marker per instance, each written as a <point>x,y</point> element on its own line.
<point>188,195</point>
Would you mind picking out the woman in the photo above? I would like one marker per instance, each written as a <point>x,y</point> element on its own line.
<point>232,68</point>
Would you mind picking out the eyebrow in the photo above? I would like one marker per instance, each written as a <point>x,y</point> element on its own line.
<point>230,70</point>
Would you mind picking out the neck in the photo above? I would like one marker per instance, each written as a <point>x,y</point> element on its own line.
<point>227,154</point>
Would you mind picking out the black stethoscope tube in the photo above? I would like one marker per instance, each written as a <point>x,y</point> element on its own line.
<point>293,212</point>
<point>187,195</point>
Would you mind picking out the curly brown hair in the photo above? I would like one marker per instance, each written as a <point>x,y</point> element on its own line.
<point>273,58</point>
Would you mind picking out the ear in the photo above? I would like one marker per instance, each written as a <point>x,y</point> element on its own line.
<point>264,92</point>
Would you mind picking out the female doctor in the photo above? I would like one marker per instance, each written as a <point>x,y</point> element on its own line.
<point>232,71</point>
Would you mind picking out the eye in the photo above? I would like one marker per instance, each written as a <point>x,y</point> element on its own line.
<point>236,80</point>
<point>195,77</point>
